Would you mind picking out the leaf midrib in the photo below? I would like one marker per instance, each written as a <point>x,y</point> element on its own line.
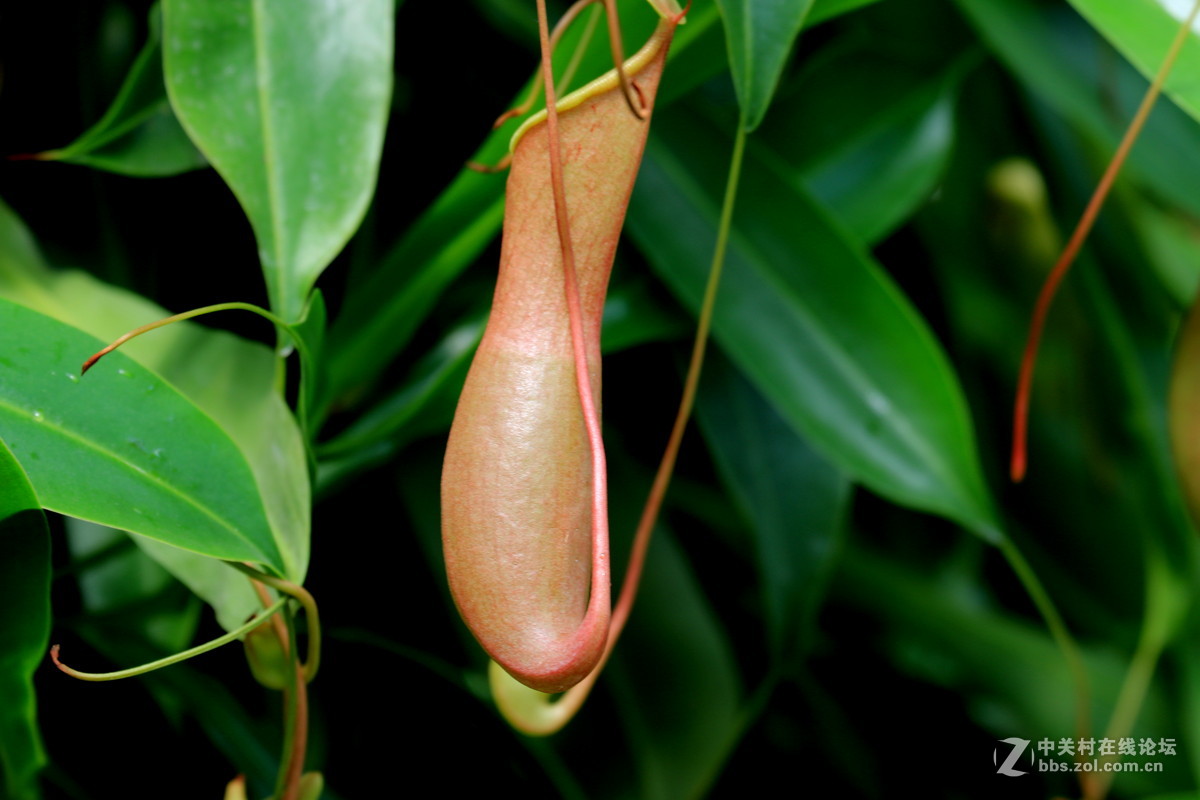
<point>151,477</point>
<point>856,377</point>
<point>274,193</point>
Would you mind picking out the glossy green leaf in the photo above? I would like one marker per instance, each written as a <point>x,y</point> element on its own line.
<point>24,627</point>
<point>819,329</point>
<point>828,9</point>
<point>123,447</point>
<point>288,100</point>
<point>795,501</point>
<point>875,160</point>
<point>680,744</point>
<point>139,134</point>
<point>1143,31</point>
<point>230,379</point>
<point>760,35</point>
<point>909,163</point>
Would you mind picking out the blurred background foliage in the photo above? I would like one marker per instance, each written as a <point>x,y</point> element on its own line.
<point>830,602</point>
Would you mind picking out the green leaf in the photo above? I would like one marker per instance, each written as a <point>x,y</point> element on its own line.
<point>680,744</point>
<point>233,382</point>
<point>875,160</point>
<point>760,34</point>
<point>24,626</point>
<point>1143,31</point>
<point>139,134</point>
<point>828,9</point>
<point>123,447</point>
<point>288,99</point>
<point>816,325</point>
<point>230,379</point>
<point>795,501</point>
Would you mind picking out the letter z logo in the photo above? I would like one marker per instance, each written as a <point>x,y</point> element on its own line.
<point>1018,747</point>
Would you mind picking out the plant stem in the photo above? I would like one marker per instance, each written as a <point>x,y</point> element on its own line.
<point>305,599</point>
<point>1067,645</point>
<point>1058,631</point>
<point>1155,632</point>
<point>666,466</point>
<point>295,723</point>
<point>295,705</point>
<point>278,623</point>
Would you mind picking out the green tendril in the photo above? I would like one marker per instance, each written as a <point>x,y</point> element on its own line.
<point>174,659</point>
